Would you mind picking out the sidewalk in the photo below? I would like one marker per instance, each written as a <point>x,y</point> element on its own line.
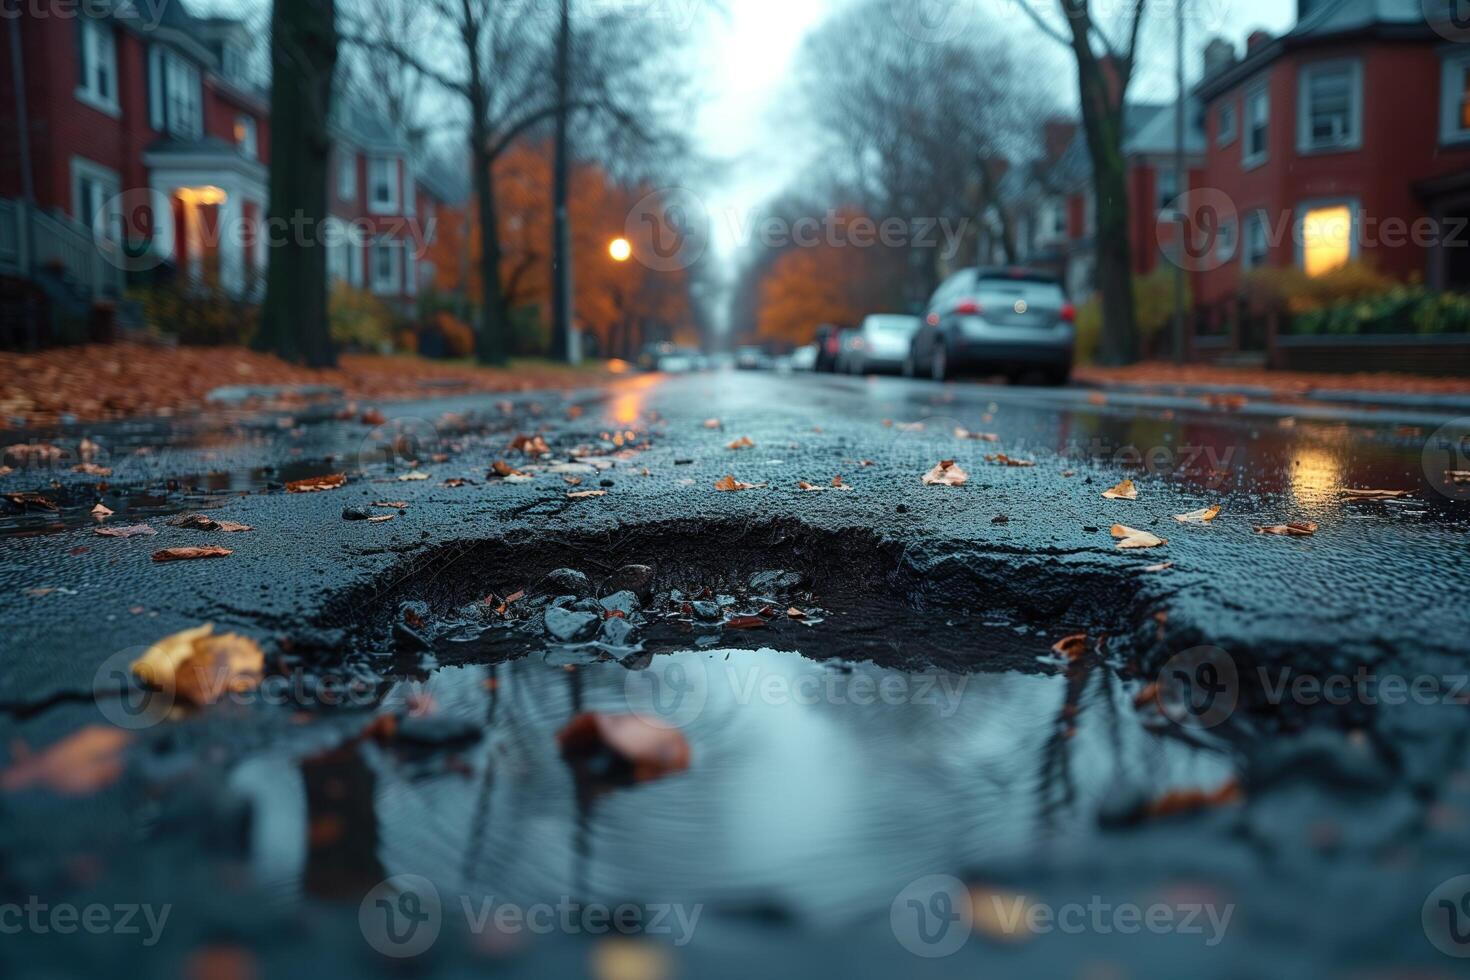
<point>111,381</point>
<point>1363,389</point>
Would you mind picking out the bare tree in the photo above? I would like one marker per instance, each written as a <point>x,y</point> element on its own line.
<point>1105,66</point>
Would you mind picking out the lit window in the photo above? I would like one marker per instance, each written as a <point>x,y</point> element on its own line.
<point>96,65</point>
<point>1327,238</point>
<point>1330,107</point>
<point>1257,124</point>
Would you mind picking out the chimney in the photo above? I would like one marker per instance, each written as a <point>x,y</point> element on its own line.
<point>1256,39</point>
<point>1219,55</point>
<point>1056,136</point>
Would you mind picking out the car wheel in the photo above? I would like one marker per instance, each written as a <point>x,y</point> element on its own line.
<point>939,363</point>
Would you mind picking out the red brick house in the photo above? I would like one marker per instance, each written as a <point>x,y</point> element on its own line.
<point>1339,141</point>
<point>141,123</point>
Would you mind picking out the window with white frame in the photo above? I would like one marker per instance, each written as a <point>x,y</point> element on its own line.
<point>387,259</point>
<point>97,65</point>
<point>383,185</point>
<point>94,186</point>
<point>1454,99</point>
<point>1256,243</point>
<point>247,137</point>
<point>346,174</point>
<point>1256,144</point>
<point>1228,125</point>
<point>1225,242</point>
<point>175,94</point>
<point>1330,106</point>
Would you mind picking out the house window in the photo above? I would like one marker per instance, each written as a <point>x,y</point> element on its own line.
<point>383,185</point>
<point>97,65</point>
<point>1168,186</point>
<point>1454,97</point>
<point>175,97</point>
<point>387,257</point>
<point>346,174</point>
<point>410,270</point>
<point>1225,242</point>
<point>1326,235</point>
<point>93,187</point>
<point>1257,123</point>
<point>1256,243</point>
<point>1329,116</point>
<point>246,136</point>
<point>1228,128</point>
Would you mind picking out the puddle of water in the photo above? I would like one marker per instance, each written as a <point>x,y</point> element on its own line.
<point>814,791</point>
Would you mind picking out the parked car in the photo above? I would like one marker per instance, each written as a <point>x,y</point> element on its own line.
<point>829,345</point>
<point>885,343</point>
<point>849,349</point>
<point>752,359</point>
<point>1011,321</point>
<point>804,358</point>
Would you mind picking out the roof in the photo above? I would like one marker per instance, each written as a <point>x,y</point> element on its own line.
<point>1330,20</point>
<point>1155,130</point>
<point>442,179</point>
<point>355,122</point>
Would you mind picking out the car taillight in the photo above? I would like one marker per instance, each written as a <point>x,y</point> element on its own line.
<point>968,307</point>
<point>1069,313</point>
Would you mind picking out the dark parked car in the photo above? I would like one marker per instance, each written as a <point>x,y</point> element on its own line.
<point>1010,321</point>
<point>829,345</point>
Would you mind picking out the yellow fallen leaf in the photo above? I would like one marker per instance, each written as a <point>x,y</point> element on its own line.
<point>161,661</point>
<point>199,666</point>
<point>1123,491</point>
<point>946,473</point>
<point>1134,538</point>
<point>1204,516</point>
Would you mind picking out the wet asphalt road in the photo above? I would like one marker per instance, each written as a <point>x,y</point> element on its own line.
<point>266,824</point>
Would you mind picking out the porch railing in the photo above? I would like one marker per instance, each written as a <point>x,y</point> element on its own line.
<point>31,239</point>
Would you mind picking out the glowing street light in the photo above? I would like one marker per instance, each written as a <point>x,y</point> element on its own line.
<point>621,250</point>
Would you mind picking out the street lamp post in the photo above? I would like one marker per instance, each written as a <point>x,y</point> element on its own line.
<point>561,261</point>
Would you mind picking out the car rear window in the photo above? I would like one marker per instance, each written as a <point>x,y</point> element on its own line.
<point>1005,292</point>
<point>893,324</point>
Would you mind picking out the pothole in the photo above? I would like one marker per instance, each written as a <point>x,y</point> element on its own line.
<point>659,587</point>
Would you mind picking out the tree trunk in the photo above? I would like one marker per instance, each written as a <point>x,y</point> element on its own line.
<point>295,321</point>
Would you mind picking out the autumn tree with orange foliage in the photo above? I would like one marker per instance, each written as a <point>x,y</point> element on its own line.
<point>620,303</point>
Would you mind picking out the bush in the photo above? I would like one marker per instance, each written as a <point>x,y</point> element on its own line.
<point>1294,291</point>
<point>1153,310</point>
<point>361,321</point>
<point>197,313</point>
<point>1399,310</point>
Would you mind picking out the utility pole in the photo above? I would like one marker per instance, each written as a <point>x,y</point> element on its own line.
<point>1181,184</point>
<point>561,259</point>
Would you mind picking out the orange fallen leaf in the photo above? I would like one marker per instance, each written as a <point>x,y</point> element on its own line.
<point>1072,647</point>
<point>1376,494</point>
<point>794,613</point>
<point>200,666</point>
<point>1148,695</point>
<point>729,484</point>
<point>316,484</point>
<point>650,751</point>
<point>745,623</point>
<point>102,510</point>
<point>506,471</point>
<point>1005,460</point>
<point>946,473</point>
<point>1123,491</point>
<point>130,531</point>
<point>530,445</point>
<point>810,487</point>
<point>189,554</point>
<point>712,423</point>
<point>1185,800</point>
<point>1134,538</point>
<point>1300,529</point>
<point>1204,516</point>
<point>91,469</point>
<point>79,764</point>
<point>203,522</point>
<point>742,443</point>
<point>837,483</point>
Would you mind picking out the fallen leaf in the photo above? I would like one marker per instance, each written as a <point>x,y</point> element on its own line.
<point>1005,460</point>
<point>742,443</point>
<point>745,623</point>
<point>92,469</point>
<point>810,487</point>
<point>203,522</point>
<point>414,477</point>
<point>102,510</point>
<point>1123,491</point>
<point>317,483</point>
<point>794,613</point>
<point>730,484</point>
<point>1072,647</point>
<point>506,471</point>
<point>1204,516</point>
<point>1161,567</point>
<point>396,504</point>
<point>712,423</point>
<point>977,436</point>
<point>1134,538</point>
<point>1003,916</point>
<point>1146,696</point>
<point>837,483</point>
<point>946,474</point>
<point>130,531</point>
<point>1299,529</point>
<point>1376,494</point>
<point>649,751</point>
<point>1069,473</point>
<point>620,958</point>
<point>373,417</point>
<point>1457,476</point>
<point>585,494</point>
<point>79,764</point>
<point>1185,800</point>
<point>455,482</point>
<point>200,666</point>
<point>188,554</point>
<point>530,445</point>
<point>29,501</point>
<point>381,518</point>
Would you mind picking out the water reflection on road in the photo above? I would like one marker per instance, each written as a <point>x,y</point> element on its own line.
<point>815,792</point>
